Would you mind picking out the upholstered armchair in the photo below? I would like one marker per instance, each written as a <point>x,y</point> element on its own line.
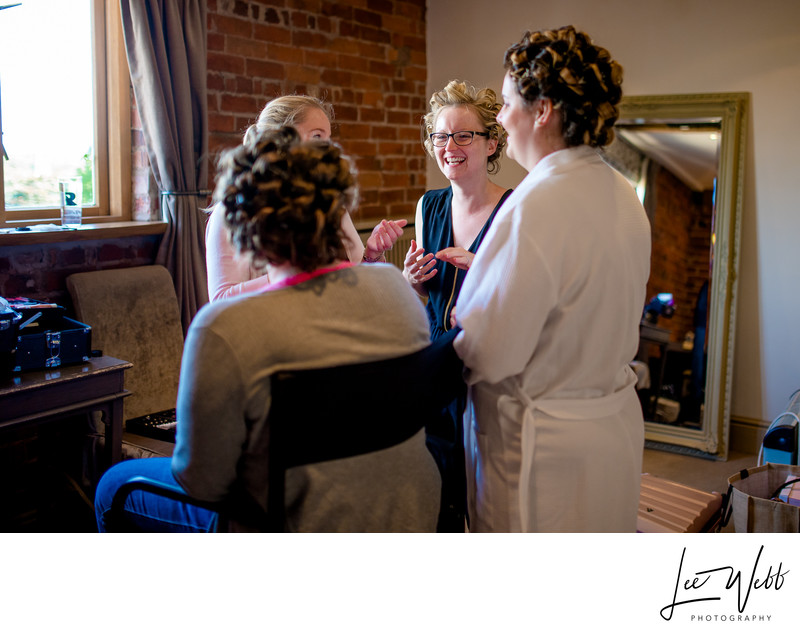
<point>134,315</point>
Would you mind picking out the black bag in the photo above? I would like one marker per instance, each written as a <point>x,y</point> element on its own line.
<point>47,338</point>
<point>9,325</point>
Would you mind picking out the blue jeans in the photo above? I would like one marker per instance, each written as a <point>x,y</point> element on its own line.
<point>146,512</point>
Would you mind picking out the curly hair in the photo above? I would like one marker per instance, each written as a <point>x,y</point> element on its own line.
<point>580,78</point>
<point>483,102</point>
<point>284,199</point>
<point>287,110</point>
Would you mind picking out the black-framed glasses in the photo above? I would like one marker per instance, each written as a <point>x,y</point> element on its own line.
<point>461,138</point>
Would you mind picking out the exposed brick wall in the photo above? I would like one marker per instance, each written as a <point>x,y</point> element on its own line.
<point>366,57</point>
<point>39,271</point>
<point>680,257</point>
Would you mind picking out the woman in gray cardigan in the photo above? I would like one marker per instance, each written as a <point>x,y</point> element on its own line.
<point>284,200</point>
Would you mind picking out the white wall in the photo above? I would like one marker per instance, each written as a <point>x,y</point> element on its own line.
<point>671,47</point>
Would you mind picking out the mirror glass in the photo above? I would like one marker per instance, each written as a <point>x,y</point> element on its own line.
<point>685,156</point>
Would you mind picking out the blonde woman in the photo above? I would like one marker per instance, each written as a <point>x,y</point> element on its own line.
<point>230,275</point>
<point>461,133</point>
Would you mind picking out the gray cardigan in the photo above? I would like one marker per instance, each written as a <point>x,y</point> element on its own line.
<point>357,314</point>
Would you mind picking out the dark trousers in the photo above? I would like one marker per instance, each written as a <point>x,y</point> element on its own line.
<point>445,441</point>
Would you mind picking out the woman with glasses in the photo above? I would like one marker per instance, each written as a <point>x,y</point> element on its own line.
<point>550,309</point>
<point>462,135</point>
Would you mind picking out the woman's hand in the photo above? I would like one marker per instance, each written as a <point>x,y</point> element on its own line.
<point>383,238</point>
<point>418,267</point>
<point>459,257</point>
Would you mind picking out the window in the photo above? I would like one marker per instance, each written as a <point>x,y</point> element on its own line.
<point>65,111</point>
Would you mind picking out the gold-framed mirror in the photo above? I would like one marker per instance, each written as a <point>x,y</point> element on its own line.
<point>662,145</point>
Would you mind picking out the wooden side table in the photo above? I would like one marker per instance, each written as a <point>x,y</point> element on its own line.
<point>33,397</point>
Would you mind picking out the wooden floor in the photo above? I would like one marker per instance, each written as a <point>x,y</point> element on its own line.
<point>66,509</point>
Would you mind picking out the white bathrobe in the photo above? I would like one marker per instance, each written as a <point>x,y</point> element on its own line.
<point>550,312</point>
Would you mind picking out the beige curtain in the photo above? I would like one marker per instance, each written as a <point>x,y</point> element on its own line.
<point>165,42</point>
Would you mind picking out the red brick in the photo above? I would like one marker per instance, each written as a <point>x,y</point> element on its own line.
<point>215,42</point>
<point>414,9</point>
<point>240,8</point>
<point>398,118</point>
<point>337,77</point>
<point>291,54</point>
<point>369,18</point>
<point>383,132</point>
<point>374,34</point>
<point>343,45</point>
<point>310,39</point>
<point>220,122</point>
<point>366,82</point>
<point>215,81</point>
<point>353,63</point>
<point>245,47</point>
<point>264,69</point>
<point>336,9</point>
<point>400,24</point>
<point>408,133</point>
<point>325,25</point>
<point>348,29</point>
<point>373,72</point>
<point>359,148</point>
<point>396,179</point>
<point>413,43</point>
<point>273,16</point>
<point>221,62</point>
<point>415,73</point>
<point>390,148</point>
<point>229,25</point>
<point>382,68</point>
<point>311,6</point>
<point>318,58</point>
<point>387,197</point>
<point>372,98</point>
<point>394,165</point>
<point>301,74</point>
<point>272,33</point>
<point>346,113</point>
<point>355,131</point>
<point>369,180</point>
<point>371,114</point>
<point>111,252</point>
<point>381,6</point>
<point>369,50</point>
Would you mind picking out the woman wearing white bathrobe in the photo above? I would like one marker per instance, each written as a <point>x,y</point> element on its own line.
<point>551,307</point>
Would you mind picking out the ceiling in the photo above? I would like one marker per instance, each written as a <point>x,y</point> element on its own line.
<point>691,153</point>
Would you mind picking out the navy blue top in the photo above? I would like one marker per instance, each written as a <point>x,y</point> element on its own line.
<point>437,226</point>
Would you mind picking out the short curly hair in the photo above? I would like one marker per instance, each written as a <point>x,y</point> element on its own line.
<point>581,79</point>
<point>284,199</point>
<point>483,102</point>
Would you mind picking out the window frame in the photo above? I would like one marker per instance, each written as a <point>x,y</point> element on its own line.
<point>112,129</point>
